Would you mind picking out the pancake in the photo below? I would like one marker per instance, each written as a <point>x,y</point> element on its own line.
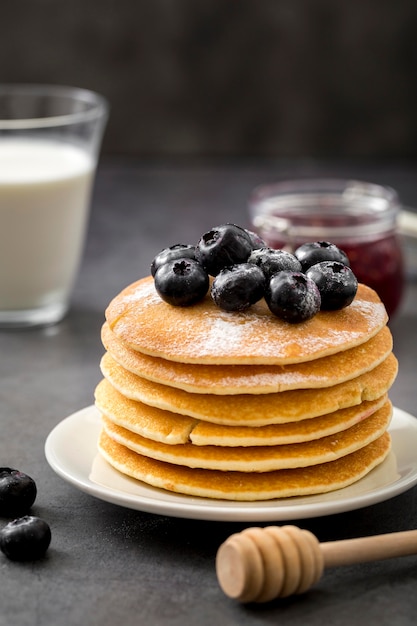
<point>148,421</point>
<point>205,334</point>
<point>253,410</point>
<point>244,406</point>
<point>260,458</point>
<point>238,379</point>
<point>171,428</point>
<point>206,433</point>
<point>242,486</point>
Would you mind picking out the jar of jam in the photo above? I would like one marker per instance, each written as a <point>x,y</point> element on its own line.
<point>359,217</point>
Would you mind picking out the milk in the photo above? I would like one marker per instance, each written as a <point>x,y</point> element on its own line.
<point>45,189</point>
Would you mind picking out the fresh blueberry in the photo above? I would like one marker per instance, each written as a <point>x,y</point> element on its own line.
<point>314,252</point>
<point>25,538</point>
<point>336,282</point>
<point>256,240</point>
<point>181,282</point>
<point>178,251</point>
<point>272,261</point>
<point>292,296</point>
<point>17,492</point>
<point>237,287</point>
<point>222,247</point>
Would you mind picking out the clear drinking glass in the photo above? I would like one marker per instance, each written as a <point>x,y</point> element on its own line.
<point>359,217</point>
<point>50,138</point>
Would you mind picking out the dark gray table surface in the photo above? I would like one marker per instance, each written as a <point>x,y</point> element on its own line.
<point>112,565</point>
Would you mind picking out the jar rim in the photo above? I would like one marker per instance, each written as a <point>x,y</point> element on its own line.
<point>325,186</point>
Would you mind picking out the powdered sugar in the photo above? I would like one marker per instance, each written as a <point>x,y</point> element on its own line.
<point>374,310</point>
<point>224,331</point>
<point>142,291</point>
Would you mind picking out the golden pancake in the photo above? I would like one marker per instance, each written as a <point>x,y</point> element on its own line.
<point>241,486</point>
<point>244,406</point>
<point>205,334</point>
<point>249,409</point>
<point>143,419</point>
<point>259,458</point>
<point>206,433</point>
<point>238,379</point>
<point>172,428</point>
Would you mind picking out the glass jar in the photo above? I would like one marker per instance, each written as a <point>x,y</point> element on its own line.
<point>359,217</point>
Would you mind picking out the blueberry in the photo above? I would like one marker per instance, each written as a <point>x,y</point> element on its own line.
<point>25,539</point>
<point>256,240</point>
<point>17,492</point>
<point>336,282</point>
<point>237,287</point>
<point>181,282</point>
<point>222,247</point>
<point>272,261</point>
<point>178,251</point>
<point>292,296</point>
<point>311,253</point>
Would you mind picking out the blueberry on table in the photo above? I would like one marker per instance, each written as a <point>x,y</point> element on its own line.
<point>223,246</point>
<point>17,492</point>
<point>177,251</point>
<point>25,539</point>
<point>237,287</point>
<point>292,296</point>
<point>314,252</point>
<point>182,282</point>
<point>336,282</point>
<point>272,261</point>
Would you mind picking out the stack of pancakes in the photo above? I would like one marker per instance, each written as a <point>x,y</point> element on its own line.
<point>244,406</point>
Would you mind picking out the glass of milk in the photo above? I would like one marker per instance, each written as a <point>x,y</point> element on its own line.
<point>50,138</point>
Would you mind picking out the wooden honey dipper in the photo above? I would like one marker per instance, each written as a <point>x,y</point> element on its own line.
<point>260,564</point>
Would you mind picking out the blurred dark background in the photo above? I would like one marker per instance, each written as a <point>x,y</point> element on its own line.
<point>280,78</point>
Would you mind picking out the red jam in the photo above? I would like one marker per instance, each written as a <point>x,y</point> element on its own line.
<point>287,215</point>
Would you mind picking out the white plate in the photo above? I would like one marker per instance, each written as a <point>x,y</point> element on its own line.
<point>71,451</point>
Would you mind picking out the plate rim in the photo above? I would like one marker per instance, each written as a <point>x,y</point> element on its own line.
<point>205,508</point>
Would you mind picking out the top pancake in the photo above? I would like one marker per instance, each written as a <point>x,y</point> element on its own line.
<point>205,334</point>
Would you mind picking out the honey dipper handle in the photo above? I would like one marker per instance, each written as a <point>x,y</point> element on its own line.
<point>365,549</point>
